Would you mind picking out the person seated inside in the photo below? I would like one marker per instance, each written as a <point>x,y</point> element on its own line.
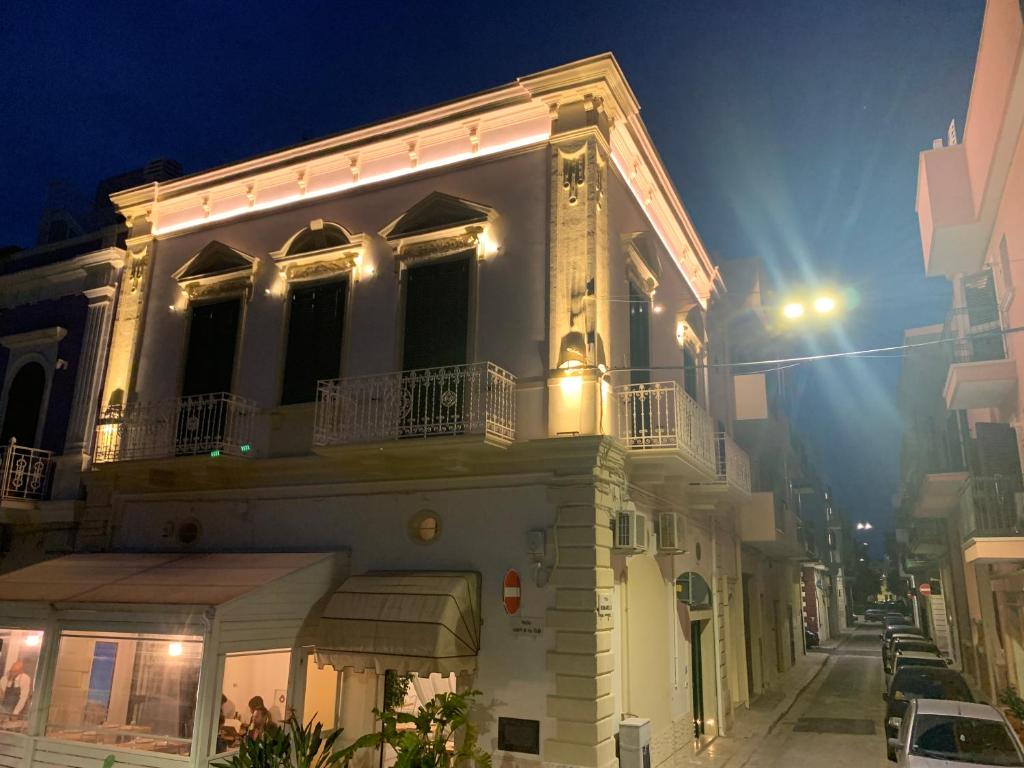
<point>262,722</point>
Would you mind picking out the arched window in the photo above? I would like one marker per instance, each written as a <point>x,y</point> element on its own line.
<point>24,403</point>
<point>320,237</point>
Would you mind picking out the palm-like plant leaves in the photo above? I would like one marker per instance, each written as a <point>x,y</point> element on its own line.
<point>294,746</point>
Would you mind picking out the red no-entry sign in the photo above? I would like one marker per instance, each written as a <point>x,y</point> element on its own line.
<point>512,592</point>
<point>925,589</point>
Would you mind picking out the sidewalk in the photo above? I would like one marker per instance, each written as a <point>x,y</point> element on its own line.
<point>751,725</point>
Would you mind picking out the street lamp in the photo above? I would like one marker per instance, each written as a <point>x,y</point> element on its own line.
<point>811,304</point>
<point>864,526</point>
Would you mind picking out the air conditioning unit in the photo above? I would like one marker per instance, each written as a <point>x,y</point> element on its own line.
<point>670,533</point>
<point>629,531</point>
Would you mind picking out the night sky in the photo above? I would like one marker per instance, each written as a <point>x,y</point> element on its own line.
<point>791,130</point>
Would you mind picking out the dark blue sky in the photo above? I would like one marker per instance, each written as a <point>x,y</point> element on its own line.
<point>791,128</point>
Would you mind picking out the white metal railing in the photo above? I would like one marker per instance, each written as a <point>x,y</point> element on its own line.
<point>733,463</point>
<point>474,399</point>
<point>25,473</point>
<point>662,415</point>
<point>215,424</point>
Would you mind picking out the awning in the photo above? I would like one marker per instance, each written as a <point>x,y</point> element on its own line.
<point>406,621</point>
<point>150,579</point>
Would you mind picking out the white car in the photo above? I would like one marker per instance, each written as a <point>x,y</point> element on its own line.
<point>936,732</point>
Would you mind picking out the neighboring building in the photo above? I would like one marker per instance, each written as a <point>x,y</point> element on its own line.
<point>969,198</point>
<point>429,398</point>
<point>770,528</point>
<point>56,310</point>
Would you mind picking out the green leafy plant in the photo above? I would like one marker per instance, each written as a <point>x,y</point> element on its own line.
<point>293,746</point>
<point>1013,702</point>
<point>425,745</point>
<point>395,688</point>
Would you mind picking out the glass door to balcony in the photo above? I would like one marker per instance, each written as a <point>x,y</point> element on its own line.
<point>24,403</point>
<point>209,368</point>
<point>433,388</point>
<point>984,341</point>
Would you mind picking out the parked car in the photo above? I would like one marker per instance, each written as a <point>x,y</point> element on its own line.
<point>811,638</point>
<point>921,682</point>
<point>899,629</point>
<point>874,614</point>
<point>914,660</point>
<point>904,643</point>
<point>951,733</point>
<point>896,619</point>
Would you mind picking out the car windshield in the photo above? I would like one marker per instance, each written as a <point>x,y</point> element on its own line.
<point>964,739</point>
<point>912,647</point>
<point>903,661</point>
<point>920,683</point>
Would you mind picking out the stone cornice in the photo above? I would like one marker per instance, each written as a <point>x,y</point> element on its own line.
<point>61,278</point>
<point>502,120</point>
<point>38,338</point>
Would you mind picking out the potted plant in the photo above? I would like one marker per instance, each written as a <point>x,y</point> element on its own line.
<point>1013,708</point>
<point>293,746</point>
<point>441,737</point>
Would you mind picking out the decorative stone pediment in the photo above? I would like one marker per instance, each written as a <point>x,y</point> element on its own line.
<point>216,269</point>
<point>642,260</point>
<point>438,224</point>
<point>321,250</point>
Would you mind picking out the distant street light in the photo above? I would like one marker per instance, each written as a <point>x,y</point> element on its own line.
<point>810,304</point>
<point>864,526</point>
<point>794,310</point>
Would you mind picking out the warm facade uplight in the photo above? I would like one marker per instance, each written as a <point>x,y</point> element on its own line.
<point>174,649</point>
<point>793,310</point>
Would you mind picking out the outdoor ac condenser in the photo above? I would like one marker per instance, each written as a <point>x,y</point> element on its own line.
<point>629,530</point>
<point>635,743</point>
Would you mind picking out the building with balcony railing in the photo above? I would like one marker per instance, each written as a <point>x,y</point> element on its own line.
<point>969,195</point>
<point>394,372</point>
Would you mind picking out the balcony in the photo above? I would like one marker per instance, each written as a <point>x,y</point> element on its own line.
<point>218,424</point>
<point>768,525</point>
<point>25,474</point>
<point>927,539</point>
<point>475,400</point>
<point>980,375</point>
<point>992,527</point>
<point>952,237</point>
<point>665,430</point>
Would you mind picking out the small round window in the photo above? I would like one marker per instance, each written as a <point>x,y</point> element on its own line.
<point>425,527</point>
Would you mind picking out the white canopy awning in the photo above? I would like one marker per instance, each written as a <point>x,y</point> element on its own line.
<point>406,621</point>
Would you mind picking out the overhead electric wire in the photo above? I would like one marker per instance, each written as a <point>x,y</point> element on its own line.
<point>876,352</point>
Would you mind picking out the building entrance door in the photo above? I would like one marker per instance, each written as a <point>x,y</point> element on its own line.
<point>697,681</point>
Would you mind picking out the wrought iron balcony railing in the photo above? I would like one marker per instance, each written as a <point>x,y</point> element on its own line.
<point>474,399</point>
<point>25,473</point>
<point>732,462</point>
<point>988,507</point>
<point>662,415</point>
<point>975,334</point>
<point>214,424</point>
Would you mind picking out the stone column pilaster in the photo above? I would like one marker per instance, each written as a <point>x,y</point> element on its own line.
<point>90,368</point>
<point>582,660</point>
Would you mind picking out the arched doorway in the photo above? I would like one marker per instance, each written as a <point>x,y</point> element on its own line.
<point>24,403</point>
<point>693,590</point>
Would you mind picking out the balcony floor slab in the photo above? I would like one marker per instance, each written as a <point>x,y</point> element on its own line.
<point>984,384</point>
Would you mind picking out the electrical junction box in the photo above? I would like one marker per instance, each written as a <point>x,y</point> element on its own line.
<point>535,544</point>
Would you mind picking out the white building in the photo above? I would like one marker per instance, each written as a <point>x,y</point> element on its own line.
<point>352,385</point>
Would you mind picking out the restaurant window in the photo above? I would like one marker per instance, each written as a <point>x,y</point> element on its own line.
<point>315,322</point>
<point>126,690</point>
<point>19,659</point>
<point>253,695</point>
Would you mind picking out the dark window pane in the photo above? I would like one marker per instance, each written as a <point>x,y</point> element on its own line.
<point>24,402</point>
<point>690,372</point>
<point>210,360</point>
<point>639,335</point>
<point>315,326</point>
<point>436,314</point>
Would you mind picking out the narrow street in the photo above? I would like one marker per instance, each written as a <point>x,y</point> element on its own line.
<point>837,721</point>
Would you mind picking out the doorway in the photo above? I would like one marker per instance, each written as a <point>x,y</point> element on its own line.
<point>24,405</point>
<point>434,347</point>
<point>747,640</point>
<point>697,677</point>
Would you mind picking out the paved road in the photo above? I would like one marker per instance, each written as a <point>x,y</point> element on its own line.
<point>837,721</point>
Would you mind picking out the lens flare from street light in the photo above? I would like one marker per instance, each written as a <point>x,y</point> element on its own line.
<point>794,310</point>
<point>824,304</point>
